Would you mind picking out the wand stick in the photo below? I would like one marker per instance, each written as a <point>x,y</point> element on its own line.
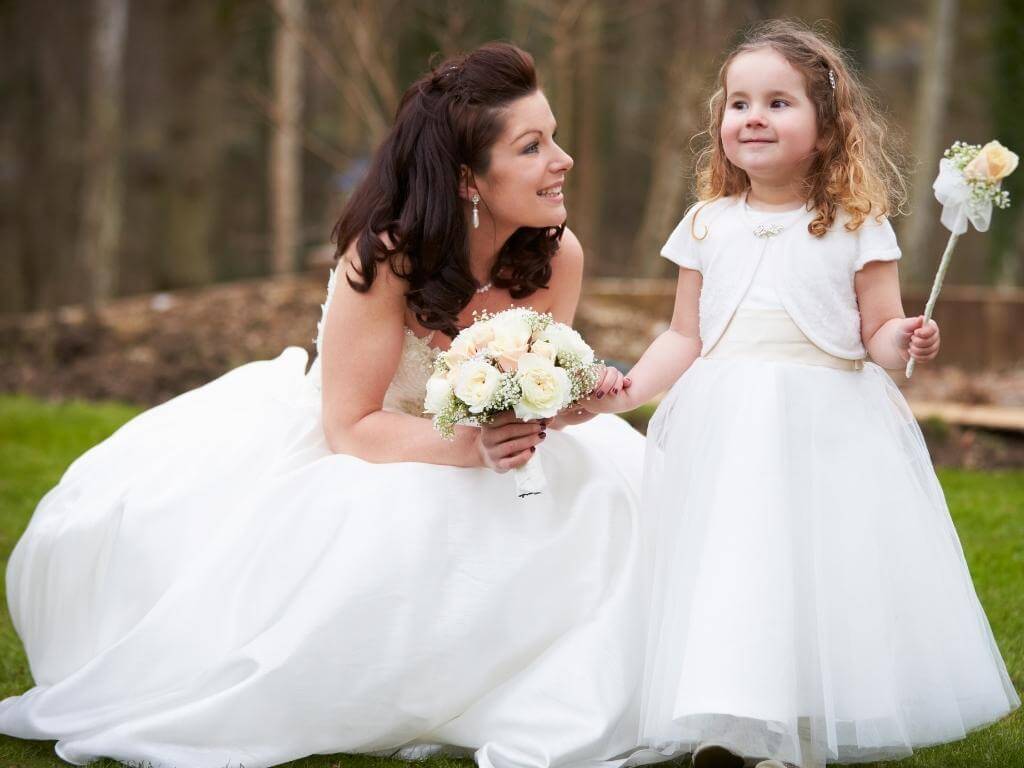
<point>936,287</point>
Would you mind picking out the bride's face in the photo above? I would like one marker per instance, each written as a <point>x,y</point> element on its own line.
<point>523,184</point>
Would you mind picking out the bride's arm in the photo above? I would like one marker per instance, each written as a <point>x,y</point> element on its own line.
<point>362,347</point>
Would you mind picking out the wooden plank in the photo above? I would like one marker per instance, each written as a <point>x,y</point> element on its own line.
<point>983,416</point>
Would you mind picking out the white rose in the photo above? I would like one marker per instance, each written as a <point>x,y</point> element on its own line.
<point>439,393</point>
<point>545,349</point>
<point>511,339</point>
<point>476,383</point>
<point>546,388</point>
<point>566,339</point>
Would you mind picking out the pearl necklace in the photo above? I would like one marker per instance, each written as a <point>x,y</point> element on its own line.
<point>485,288</point>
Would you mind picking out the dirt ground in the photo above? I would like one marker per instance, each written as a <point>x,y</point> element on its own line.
<point>147,349</point>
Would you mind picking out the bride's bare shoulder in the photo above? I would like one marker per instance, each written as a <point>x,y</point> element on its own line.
<point>566,281</point>
<point>567,263</point>
<point>384,280</point>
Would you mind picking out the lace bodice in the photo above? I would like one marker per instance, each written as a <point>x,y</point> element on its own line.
<point>409,385</point>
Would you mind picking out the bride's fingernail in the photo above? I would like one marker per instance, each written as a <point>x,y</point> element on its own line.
<point>543,435</point>
<point>600,395</point>
<point>615,391</point>
<point>533,449</point>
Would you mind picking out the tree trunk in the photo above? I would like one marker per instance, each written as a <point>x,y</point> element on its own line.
<point>1006,244</point>
<point>286,150</point>
<point>585,203</point>
<point>194,125</point>
<point>681,117</point>
<point>100,232</point>
<point>932,94</point>
<point>46,82</point>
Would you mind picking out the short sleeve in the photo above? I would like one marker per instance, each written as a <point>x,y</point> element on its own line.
<point>876,241</point>
<point>681,248</point>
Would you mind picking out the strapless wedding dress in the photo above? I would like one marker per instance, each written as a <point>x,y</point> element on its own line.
<point>212,586</point>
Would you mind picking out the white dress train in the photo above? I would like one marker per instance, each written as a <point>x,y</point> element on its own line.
<point>212,587</point>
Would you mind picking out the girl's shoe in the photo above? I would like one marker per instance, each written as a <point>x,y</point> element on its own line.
<point>709,755</point>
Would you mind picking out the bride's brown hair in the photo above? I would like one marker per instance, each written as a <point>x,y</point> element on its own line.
<point>408,211</point>
<point>856,169</point>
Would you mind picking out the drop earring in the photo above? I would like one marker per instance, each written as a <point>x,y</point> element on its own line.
<point>476,211</point>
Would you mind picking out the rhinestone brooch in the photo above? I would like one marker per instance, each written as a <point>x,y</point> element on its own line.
<point>767,230</point>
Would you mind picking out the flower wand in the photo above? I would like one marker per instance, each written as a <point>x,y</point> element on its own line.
<point>968,185</point>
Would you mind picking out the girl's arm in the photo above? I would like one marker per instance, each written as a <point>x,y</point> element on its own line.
<point>362,346</point>
<point>889,337</point>
<point>668,356</point>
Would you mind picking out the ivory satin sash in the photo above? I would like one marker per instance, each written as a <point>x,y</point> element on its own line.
<point>770,334</point>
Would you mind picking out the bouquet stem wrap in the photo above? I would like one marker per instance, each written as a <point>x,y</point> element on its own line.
<point>530,480</point>
<point>933,297</point>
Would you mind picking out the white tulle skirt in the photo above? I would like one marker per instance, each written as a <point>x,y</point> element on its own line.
<point>811,600</point>
<point>212,587</point>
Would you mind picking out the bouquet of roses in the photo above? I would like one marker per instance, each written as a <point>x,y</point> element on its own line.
<point>518,360</point>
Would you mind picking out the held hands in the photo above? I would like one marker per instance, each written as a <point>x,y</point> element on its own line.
<point>917,339</point>
<point>605,397</point>
<point>609,384</point>
<point>507,443</point>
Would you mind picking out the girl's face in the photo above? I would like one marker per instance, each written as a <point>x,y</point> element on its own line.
<point>523,185</point>
<point>769,128</point>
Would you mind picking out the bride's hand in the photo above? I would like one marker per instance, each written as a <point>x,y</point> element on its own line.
<point>506,443</point>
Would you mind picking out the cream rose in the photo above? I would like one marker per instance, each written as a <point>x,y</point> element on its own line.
<point>439,393</point>
<point>468,342</point>
<point>511,339</point>
<point>566,339</point>
<point>546,389</point>
<point>476,383</point>
<point>545,349</point>
<point>992,163</point>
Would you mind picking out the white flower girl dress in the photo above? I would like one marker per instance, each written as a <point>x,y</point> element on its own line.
<point>212,587</point>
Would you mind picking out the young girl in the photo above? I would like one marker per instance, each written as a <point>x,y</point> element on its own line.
<point>811,601</point>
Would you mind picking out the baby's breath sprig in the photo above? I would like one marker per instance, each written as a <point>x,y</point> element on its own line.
<point>507,394</point>
<point>454,412</point>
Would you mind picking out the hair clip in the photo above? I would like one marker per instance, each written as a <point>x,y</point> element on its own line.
<point>832,79</point>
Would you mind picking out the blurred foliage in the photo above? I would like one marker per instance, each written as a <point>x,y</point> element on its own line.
<point>627,81</point>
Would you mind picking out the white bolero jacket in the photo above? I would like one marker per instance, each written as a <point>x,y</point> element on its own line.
<point>814,278</point>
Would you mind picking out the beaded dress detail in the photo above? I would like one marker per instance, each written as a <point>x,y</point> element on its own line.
<point>409,385</point>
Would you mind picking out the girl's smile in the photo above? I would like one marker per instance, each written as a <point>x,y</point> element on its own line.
<point>769,128</point>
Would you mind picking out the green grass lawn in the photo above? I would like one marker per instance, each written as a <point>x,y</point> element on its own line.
<point>38,441</point>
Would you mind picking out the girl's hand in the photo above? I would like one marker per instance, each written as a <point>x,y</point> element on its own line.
<point>609,382</point>
<point>611,402</point>
<point>506,443</point>
<point>918,340</point>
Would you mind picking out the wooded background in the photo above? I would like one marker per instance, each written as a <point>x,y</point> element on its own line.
<point>149,145</point>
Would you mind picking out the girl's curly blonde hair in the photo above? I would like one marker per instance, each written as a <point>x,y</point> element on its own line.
<point>855,170</point>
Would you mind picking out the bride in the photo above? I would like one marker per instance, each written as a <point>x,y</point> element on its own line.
<point>284,562</point>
